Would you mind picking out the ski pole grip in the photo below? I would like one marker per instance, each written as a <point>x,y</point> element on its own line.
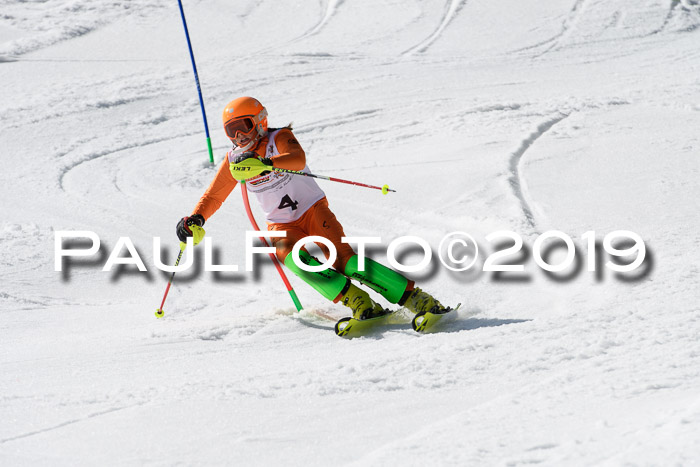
<point>197,233</point>
<point>197,236</point>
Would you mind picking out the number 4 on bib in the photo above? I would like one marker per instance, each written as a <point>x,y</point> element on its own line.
<point>287,202</point>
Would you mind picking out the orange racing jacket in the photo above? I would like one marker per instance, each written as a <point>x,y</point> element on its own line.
<point>291,157</point>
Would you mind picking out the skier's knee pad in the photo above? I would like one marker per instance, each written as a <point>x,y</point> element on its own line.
<point>329,283</point>
<point>378,277</point>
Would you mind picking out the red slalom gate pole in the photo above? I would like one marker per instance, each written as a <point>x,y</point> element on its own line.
<point>274,259</point>
<point>384,189</point>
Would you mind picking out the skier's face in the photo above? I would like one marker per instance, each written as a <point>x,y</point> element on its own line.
<point>240,131</point>
<point>242,140</point>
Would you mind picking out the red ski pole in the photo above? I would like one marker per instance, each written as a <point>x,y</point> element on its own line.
<point>159,311</point>
<point>385,189</point>
<point>197,235</point>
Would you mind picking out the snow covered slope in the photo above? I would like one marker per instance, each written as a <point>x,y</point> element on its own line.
<point>526,116</point>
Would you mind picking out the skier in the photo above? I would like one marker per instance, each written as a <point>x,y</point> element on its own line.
<point>297,205</point>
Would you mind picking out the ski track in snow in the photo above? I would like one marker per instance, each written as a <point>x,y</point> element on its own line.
<point>337,121</point>
<point>330,11</point>
<point>51,22</point>
<point>66,169</point>
<point>331,8</point>
<point>452,8</point>
<point>667,19</point>
<point>515,179</point>
<point>687,8</point>
<point>567,27</point>
<point>68,422</point>
<point>574,17</point>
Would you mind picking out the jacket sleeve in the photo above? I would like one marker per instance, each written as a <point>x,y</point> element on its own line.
<point>219,189</point>
<point>291,155</point>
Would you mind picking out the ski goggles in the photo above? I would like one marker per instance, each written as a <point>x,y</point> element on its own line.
<point>241,125</point>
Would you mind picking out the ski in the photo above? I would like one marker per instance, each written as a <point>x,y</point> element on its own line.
<point>425,321</point>
<point>351,327</point>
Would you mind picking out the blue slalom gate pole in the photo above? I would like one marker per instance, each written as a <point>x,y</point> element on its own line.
<point>291,291</point>
<point>196,79</point>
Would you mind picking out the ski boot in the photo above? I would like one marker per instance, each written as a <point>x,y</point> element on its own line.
<point>362,306</point>
<point>422,302</point>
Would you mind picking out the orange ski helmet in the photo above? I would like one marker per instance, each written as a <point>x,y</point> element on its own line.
<point>245,121</point>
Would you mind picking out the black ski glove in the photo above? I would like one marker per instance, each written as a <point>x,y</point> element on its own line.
<point>183,227</point>
<point>248,155</point>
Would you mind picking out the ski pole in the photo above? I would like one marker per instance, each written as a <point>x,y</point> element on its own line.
<point>197,235</point>
<point>159,311</point>
<point>274,259</point>
<point>385,189</point>
<point>196,79</point>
